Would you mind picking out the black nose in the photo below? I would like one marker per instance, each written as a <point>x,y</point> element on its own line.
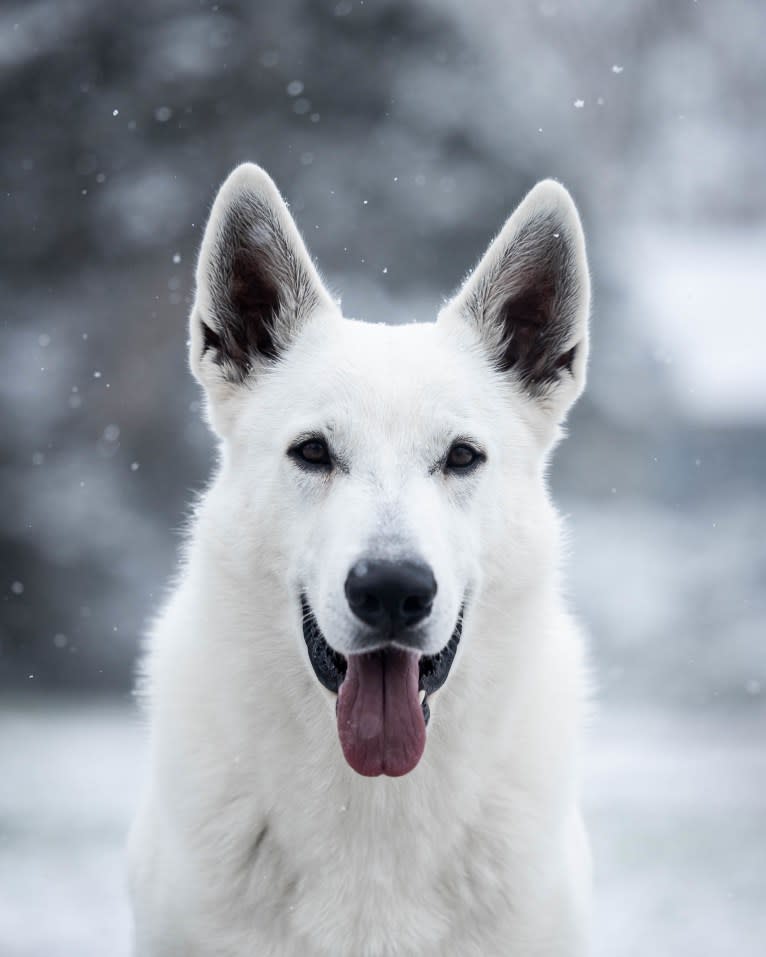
<point>390,596</point>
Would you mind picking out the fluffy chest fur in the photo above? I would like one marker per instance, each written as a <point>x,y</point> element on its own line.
<point>265,842</point>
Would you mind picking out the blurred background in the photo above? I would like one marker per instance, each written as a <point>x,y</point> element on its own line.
<point>402,133</point>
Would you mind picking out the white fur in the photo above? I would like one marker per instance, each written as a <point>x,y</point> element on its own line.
<point>254,837</point>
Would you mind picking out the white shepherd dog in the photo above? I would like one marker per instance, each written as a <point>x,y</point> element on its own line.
<point>365,692</point>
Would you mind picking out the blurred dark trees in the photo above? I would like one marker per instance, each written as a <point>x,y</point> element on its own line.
<point>402,134</point>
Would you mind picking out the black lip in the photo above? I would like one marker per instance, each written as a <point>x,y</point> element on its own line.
<point>330,666</point>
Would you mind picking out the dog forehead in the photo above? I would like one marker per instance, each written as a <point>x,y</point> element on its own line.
<point>414,365</point>
<point>408,387</point>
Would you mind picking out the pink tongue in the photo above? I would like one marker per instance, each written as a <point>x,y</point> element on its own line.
<point>380,721</point>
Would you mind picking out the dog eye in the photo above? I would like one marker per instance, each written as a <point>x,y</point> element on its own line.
<point>462,457</point>
<point>312,452</point>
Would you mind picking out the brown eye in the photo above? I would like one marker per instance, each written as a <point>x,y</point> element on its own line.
<point>462,457</point>
<point>312,452</point>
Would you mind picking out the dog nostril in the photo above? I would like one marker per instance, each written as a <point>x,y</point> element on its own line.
<point>414,604</point>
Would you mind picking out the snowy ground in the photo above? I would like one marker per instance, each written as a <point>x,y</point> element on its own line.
<point>676,806</point>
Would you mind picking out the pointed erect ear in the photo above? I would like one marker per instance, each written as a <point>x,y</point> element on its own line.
<point>529,299</point>
<point>256,283</point>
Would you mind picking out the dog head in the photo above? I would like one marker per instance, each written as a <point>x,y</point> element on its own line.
<point>387,474</point>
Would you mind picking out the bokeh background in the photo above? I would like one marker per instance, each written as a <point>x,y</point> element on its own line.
<point>402,134</point>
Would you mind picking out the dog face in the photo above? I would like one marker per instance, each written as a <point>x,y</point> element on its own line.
<point>368,461</point>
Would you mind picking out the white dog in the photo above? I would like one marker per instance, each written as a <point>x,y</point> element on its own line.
<point>365,692</point>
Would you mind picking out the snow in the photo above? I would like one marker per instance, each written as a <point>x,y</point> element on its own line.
<point>675,805</point>
<point>701,295</point>
<point>693,584</point>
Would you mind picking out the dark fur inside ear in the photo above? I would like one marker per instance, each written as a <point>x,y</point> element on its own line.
<point>258,289</point>
<point>247,309</point>
<point>531,299</point>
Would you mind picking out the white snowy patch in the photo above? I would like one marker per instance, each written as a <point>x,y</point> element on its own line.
<point>702,296</point>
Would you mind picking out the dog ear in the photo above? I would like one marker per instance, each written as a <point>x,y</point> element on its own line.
<point>529,299</point>
<point>256,283</point>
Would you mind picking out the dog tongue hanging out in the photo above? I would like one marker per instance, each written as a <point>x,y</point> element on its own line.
<point>365,690</point>
<point>380,722</point>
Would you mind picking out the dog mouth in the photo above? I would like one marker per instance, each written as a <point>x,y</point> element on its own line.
<point>382,707</point>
